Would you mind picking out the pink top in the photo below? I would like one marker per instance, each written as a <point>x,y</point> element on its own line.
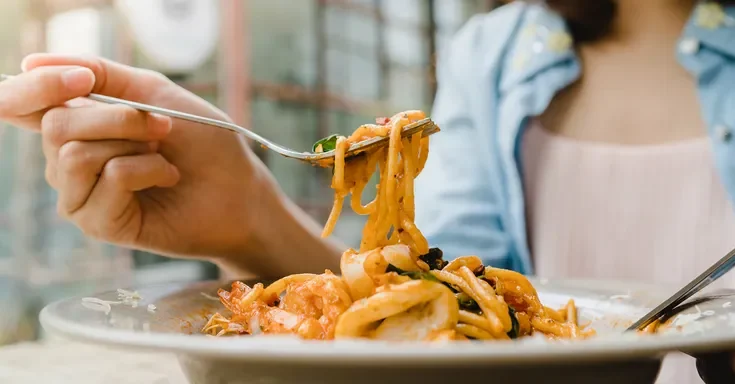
<point>652,213</point>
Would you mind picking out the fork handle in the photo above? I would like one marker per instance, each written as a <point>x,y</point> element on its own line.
<point>169,113</point>
<point>189,117</point>
<point>197,119</point>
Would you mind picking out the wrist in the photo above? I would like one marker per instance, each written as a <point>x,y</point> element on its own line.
<point>282,239</point>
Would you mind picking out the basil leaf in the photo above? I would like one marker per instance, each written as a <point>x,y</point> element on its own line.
<point>421,275</point>
<point>327,144</point>
<point>417,275</point>
<point>467,303</point>
<point>516,327</point>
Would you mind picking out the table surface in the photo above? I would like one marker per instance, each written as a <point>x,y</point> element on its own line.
<point>57,361</point>
<point>62,362</point>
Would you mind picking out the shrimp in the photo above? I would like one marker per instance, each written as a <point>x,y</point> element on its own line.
<point>309,307</point>
<point>318,303</point>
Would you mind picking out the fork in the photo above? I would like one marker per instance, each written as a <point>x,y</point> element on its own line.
<point>714,272</point>
<point>426,126</point>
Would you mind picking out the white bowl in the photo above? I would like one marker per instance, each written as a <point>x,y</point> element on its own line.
<point>182,310</point>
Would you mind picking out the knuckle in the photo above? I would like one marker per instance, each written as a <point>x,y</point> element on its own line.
<point>71,149</point>
<point>121,115</point>
<point>55,125</point>
<point>118,171</point>
<point>75,156</point>
<point>93,62</point>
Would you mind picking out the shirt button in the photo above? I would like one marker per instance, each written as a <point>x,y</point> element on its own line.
<point>689,46</point>
<point>723,133</point>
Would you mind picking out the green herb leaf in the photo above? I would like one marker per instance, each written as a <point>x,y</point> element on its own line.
<point>417,275</point>
<point>327,144</point>
<point>467,303</point>
<point>451,288</point>
<point>516,327</point>
<point>421,275</point>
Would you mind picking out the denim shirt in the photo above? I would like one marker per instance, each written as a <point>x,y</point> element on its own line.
<point>503,68</point>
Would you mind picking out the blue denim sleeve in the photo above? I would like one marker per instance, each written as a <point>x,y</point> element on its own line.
<point>458,195</point>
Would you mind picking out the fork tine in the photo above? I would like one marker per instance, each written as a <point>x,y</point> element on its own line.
<point>426,126</point>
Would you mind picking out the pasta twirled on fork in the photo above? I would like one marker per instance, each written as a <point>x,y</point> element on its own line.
<point>394,287</point>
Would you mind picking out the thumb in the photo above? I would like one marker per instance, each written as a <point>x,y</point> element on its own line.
<point>43,88</point>
<point>111,78</point>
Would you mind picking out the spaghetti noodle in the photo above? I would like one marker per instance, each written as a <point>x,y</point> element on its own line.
<point>394,287</point>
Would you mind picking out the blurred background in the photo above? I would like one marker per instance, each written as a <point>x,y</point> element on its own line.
<point>292,70</point>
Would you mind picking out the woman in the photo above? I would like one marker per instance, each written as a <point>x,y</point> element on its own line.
<point>600,138</point>
<point>147,182</point>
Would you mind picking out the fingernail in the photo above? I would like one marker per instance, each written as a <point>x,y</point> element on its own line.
<point>161,125</point>
<point>77,80</point>
<point>24,64</point>
<point>79,102</point>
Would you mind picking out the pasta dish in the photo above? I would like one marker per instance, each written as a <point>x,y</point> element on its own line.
<point>394,287</point>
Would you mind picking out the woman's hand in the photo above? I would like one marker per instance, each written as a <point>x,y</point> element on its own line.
<point>717,368</point>
<point>149,182</point>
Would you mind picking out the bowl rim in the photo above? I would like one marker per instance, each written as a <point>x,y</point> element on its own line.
<point>364,352</point>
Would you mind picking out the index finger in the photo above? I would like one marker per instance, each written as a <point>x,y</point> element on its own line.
<point>102,122</point>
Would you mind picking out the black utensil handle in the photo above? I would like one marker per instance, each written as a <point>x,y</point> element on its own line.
<point>716,368</point>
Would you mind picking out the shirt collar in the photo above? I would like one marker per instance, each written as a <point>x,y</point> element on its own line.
<point>544,40</point>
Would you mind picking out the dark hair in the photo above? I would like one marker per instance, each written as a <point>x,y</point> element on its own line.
<point>590,20</point>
